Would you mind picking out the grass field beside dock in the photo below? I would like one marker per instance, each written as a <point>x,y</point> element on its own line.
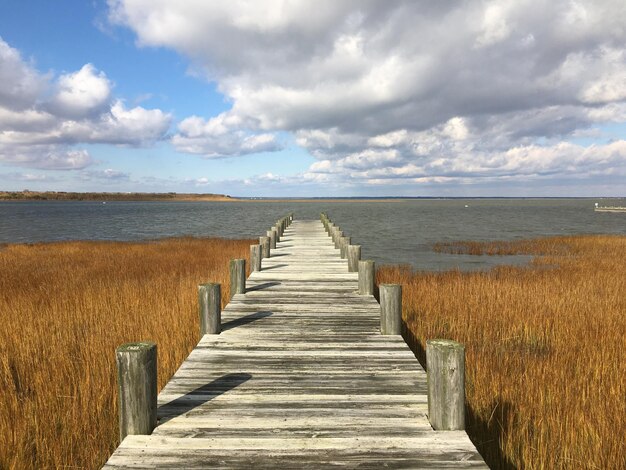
<point>65,307</point>
<point>544,343</point>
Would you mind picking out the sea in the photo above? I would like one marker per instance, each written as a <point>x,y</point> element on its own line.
<point>390,231</point>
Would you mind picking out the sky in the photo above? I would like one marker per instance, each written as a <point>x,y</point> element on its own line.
<point>294,98</point>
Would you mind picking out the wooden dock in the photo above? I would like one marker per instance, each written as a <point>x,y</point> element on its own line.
<point>300,377</point>
<point>610,209</point>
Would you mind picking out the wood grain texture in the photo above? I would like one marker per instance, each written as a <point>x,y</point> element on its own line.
<point>237,277</point>
<point>209,308</point>
<point>300,377</point>
<point>137,387</point>
<point>255,257</point>
<point>446,384</point>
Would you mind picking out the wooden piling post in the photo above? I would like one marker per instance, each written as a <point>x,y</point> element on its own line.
<point>366,277</point>
<point>327,225</point>
<point>265,246</point>
<point>255,257</point>
<point>137,387</point>
<point>344,242</point>
<point>276,236</point>
<point>237,277</point>
<point>445,361</point>
<point>210,308</point>
<point>354,255</point>
<point>272,236</point>
<point>338,235</point>
<point>390,309</point>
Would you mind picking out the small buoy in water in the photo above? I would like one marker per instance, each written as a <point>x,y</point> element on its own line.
<point>466,205</point>
<point>103,202</point>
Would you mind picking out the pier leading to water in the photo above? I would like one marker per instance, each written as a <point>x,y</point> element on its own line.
<point>299,376</point>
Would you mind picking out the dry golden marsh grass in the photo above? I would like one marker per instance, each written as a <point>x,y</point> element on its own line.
<point>545,345</point>
<point>64,308</point>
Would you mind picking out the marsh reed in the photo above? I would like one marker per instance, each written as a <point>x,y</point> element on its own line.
<point>545,343</point>
<point>64,308</point>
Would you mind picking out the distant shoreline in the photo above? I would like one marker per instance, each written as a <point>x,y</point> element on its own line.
<point>72,196</point>
<point>16,196</point>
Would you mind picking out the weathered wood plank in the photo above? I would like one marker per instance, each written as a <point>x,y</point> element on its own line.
<point>300,377</point>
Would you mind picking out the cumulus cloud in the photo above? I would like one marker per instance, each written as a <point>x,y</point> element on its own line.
<point>406,89</point>
<point>48,157</point>
<point>21,83</point>
<point>82,93</point>
<point>109,174</point>
<point>221,137</point>
<point>296,65</point>
<point>43,119</point>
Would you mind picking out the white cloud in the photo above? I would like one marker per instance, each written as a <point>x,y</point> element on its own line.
<point>21,83</point>
<point>108,174</point>
<point>217,137</point>
<point>425,90</point>
<point>81,94</point>
<point>48,157</point>
<point>41,130</point>
<point>610,85</point>
<point>495,25</point>
<point>456,129</point>
<point>517,163</point>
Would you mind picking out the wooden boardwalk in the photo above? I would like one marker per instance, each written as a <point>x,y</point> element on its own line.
<point>300,377</point>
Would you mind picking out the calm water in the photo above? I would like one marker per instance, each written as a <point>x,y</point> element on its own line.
<point>401,231</point>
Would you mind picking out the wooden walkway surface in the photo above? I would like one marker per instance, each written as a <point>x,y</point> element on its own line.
<point>300,377</point>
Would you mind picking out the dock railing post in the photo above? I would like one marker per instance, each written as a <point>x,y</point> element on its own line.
<point>354,255</point>
<point>366,277</point>
<point>137,387</point>
<point>210,308</point>
<point>255,257</point>
<point>265,246</point>
<point>390,309</point>
<point>338,235</point>
<point>237,277</point>
<point>325,221</point>
<point>271,234</point>
<point>445,364</point>
<point>344,242</point>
